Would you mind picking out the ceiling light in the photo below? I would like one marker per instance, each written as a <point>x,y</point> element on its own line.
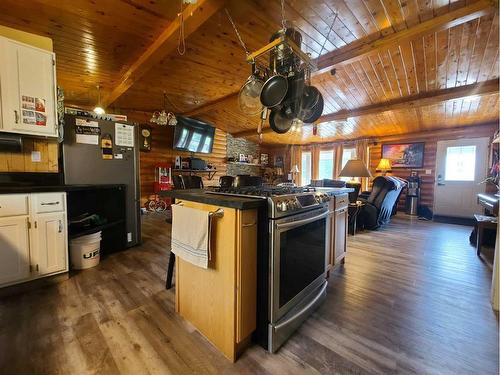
<point>164,117</point>
<point>99,110</point>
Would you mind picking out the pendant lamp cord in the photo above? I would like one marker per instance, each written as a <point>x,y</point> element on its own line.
<point>181,45</point>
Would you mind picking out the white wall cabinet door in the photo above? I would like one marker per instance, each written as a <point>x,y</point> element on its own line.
<point>27,78</point>
<point>14,249</point>
<point>49,253</point>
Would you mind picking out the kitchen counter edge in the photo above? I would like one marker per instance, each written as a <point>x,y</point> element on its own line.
<point>241,203</point>
<point>55,188</point>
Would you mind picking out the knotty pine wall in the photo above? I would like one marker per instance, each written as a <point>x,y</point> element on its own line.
<point>161,151</point>
<point>21,161</point>
<point>430,138</point>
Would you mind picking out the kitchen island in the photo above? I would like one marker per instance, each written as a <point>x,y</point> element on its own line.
<point>227,302</point>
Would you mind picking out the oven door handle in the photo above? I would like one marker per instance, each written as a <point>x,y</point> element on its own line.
<point>304,309</point>
<point>301,222</point>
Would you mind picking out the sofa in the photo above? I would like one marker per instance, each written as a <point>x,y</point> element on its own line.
<point>380,204</point>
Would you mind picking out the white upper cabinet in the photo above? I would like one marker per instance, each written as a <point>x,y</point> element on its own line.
<point>27,89</point>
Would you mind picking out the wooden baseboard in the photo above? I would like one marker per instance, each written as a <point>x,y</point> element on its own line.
<point>33,284</point>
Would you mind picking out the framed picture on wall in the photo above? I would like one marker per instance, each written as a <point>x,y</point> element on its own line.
<point>404,155</point>
<point>264,159</point>
<point>278,161</point>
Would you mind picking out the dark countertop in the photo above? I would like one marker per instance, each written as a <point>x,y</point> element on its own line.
<point>334,191</point>
<point>240,203</point>
<point>200,195</point>
<point>25,189</point>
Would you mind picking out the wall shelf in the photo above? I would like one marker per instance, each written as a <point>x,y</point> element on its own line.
<point>243,163</point>
<point>211,172</point>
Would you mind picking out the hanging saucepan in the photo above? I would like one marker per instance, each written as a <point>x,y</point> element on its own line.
<point>316,112</point>
<point>278,121</point>
<point>274,89</point>
<point>249,96</point>
<point>310,97</point>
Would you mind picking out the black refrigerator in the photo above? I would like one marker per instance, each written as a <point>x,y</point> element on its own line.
<point>101,152</point>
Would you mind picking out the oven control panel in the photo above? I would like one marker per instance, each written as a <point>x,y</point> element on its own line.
<point>291,203</point>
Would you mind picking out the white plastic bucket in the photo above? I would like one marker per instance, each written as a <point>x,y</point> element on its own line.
<point>85,251</point>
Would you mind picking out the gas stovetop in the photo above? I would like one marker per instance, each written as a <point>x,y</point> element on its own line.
<point>282,200</point>
<point>260,191</point>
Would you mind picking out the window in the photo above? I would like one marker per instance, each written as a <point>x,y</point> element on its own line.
<point>326,164</point>
<point>460,163</point>
<point>347,154</point>
<point>305,170</point>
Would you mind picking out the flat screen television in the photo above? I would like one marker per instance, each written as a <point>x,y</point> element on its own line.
<point>193,135</point>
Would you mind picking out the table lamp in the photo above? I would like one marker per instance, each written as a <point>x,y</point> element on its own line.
<point>384,166</point>
<point>354,168</point>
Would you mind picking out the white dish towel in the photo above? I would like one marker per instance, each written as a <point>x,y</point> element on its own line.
<point>191,235</point>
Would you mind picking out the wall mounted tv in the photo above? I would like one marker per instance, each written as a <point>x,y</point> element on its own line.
<point>193,135</point>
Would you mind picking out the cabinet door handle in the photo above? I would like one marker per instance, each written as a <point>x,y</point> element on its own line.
<point>60,226</point>
<point>16,116</point>
<point>49,203</point>
<point>36,225</point>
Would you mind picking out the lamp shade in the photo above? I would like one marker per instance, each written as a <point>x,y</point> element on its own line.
<point>384,166</point>
<point>355,168</point>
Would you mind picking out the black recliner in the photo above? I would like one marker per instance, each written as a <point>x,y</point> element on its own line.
<point>381,203</point>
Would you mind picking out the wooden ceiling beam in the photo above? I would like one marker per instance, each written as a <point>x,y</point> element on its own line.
<point>408,102</point>
<point>366,46</point>
<point>207,107</point>
<point>194,16</point>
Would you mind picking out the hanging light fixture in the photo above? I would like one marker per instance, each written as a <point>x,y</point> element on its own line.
<point>164,118</point>
<point>98,109</point>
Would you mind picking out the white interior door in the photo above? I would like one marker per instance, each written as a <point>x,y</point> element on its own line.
<point>460,166</point>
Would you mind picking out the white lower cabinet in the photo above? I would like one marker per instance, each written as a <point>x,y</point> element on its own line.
<point>48,239</point>
<point>14,249</point>
<point>32,244</point>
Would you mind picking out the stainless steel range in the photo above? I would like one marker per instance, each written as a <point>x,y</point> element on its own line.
<point>292,261</point>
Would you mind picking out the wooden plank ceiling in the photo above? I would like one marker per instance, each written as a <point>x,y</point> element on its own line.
<point>97,42</point>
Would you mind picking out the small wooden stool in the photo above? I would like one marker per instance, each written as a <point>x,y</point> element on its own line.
<point>483,222</point>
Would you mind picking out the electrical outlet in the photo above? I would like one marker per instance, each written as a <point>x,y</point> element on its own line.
<point>36,156</point>
<point>428,171</point>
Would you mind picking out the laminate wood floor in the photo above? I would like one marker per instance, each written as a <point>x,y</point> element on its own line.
<point>412,298</point>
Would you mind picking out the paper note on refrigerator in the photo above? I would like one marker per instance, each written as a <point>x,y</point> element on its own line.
<point>124,135</point>
<point>87,131</point>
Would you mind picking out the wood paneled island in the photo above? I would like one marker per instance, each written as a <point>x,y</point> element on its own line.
<point>221,301</point>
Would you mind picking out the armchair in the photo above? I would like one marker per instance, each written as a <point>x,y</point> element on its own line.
<point>381,203</point>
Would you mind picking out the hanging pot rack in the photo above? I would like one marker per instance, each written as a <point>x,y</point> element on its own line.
<point>260,57</point>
